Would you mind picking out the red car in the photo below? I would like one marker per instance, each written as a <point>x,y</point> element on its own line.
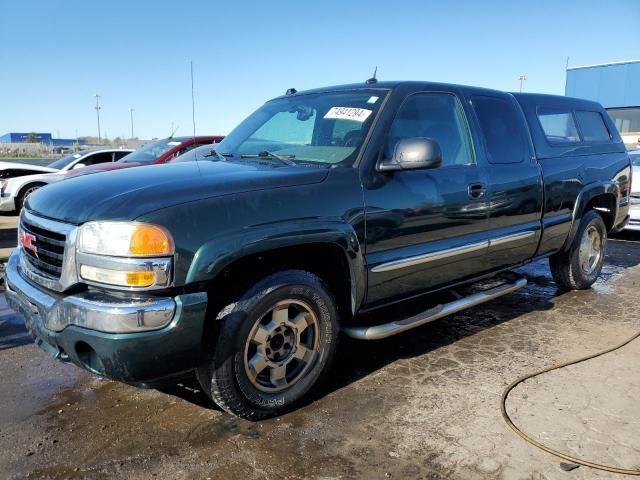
<point>161,151</point>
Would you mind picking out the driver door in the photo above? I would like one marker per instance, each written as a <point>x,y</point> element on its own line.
<point>426,227</point>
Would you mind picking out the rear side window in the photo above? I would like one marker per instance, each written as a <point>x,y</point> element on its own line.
<point>503,130</point>
<point>558,125</point>
<point>592,126</point>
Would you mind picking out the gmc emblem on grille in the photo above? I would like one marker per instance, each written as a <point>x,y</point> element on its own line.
<point>26,240</point>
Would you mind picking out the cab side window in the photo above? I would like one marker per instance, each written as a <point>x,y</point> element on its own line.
<point>438,116</point>
<point>503,129</point>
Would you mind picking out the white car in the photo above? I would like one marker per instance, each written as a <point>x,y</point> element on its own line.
<point>17,180</point>
<point>634,211</point>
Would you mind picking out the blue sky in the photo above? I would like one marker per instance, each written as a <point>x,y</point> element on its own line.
<point>54,55</point>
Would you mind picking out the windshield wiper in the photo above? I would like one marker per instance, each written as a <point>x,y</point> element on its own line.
<point>266,154</point>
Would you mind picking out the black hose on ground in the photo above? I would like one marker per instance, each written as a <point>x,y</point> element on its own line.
<point>534,442</point>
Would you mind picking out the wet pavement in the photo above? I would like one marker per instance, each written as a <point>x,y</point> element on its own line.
<point>424,404</point>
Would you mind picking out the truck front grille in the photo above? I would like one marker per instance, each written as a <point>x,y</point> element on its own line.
<point>48,253</point>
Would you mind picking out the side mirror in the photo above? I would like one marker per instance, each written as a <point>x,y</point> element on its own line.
<point>78,165</point>
<point>413,153</point>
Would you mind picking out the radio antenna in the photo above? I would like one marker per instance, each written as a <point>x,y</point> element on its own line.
<point>193,117</point>
<point>373,79</point>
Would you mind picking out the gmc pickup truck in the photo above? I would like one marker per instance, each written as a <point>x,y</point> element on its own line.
<point>318,209</point>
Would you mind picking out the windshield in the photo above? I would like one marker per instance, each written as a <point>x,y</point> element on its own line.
<point>151,152</point>
<point>327,128</point>
<point>64,161</point>
<point>635,159</point>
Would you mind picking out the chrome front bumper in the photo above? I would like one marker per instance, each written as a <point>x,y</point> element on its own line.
<point>634,220</point>
<point>93,309</point>
<point>137,353</point>
<point>7,204</point>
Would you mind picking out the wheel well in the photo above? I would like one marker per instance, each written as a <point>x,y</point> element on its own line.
<point>327,261</point>
<point>605,205</point>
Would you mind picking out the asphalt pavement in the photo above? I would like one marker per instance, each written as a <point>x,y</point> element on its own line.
<point>424,404</point>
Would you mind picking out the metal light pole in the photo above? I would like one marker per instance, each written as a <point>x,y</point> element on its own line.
<point>193,103</point>
<point>131,110</point>
<point>522,78</point>
<point>97,107</point>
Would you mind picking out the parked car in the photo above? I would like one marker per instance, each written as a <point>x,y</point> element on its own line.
<point>319,208</point>
<point>203,152</point>
<point>17,180</point>
<point>160,151</point>
<point>634,211</point>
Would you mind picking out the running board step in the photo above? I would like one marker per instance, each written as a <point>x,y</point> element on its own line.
<point>385,330</point>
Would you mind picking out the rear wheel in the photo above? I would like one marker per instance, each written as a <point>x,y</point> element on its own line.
<point>25,192</point>
<point>273,347</point>
<point>579,267</point>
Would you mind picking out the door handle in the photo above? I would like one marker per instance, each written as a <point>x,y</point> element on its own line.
<point>476,190</point>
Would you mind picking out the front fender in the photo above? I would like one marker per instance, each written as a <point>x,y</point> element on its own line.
<point>588,193</point>
<point>217,254</point>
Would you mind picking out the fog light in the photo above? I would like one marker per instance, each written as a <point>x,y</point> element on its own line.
<point>141,279</point>
<point>117,277</point>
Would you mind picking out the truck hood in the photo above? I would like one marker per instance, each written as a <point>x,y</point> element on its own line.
<point>127,194</point>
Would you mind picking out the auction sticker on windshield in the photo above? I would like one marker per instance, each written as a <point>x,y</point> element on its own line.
<point>348,113</point>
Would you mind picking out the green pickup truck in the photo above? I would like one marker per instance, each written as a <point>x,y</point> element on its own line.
<point>318,209</point>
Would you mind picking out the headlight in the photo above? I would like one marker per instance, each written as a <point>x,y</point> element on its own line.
<point>132,256</point>
<point>124,239</point>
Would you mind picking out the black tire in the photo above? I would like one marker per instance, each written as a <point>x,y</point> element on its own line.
<point>25,192</point>
<point>566,267</point>
<point>225,375</point>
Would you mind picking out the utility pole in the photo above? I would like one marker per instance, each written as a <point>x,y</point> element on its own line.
<point>522,78</point>
<point>131,110</point>
<point>97,107</point>
<point>193,103</point>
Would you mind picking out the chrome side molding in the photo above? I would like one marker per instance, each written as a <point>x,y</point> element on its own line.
<point>430,257</point>
<point>385,330</point>
<point>511,238</point>
<point>450,252</point>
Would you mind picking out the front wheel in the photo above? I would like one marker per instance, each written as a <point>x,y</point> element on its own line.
<point>25,192</point>
<point>579,267</point>
<point>273,346</point>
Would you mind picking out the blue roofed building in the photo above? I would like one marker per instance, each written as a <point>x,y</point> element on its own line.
<point>44,138</point>
<point>617,87</point>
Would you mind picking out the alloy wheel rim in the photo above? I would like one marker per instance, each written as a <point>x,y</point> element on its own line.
<point>29,191</point>
<point>590,249</point>
<point>282,346</point>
